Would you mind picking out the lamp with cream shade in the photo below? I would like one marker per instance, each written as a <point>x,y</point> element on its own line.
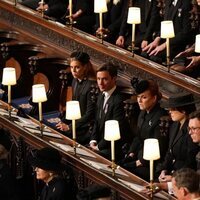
<point>112,133</point>
<point>100,6</point>
<point>167,32</point>
<point>9,79</point>
<point>151,152</point>
<point>197,44</point>
<point>134,17</point>
<point>39,96</point>
<point>73,113</point>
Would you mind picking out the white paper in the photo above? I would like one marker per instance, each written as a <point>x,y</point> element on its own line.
<point>67,148</point>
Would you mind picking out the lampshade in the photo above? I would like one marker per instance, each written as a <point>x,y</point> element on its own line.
<point>73,110</point>
<point>9,76</point>
<point>167,29</point>
<point>39,93</point>
<point>197,44</point>
<point>100,6</point>
<point>134,15</point>
<point>112,132</point>
<point>151,149</point>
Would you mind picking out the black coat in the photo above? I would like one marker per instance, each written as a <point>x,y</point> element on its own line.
<point>180,15</point>
<point>181,152</point>
<point>115,111</point>
<point>150,22</point>
<point>58,189</point>
<point>148,127</point>
<point>113,18</point>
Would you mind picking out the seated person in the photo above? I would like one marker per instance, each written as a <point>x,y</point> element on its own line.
<point>49,169</point>
<point>112,19</point>
<point>83,80</point>
<point>150,20</point>
<point>148,97</point>
<point>179,12</point>
<point>181,150</point>
<point>109,107</point>
<point>52,8</point>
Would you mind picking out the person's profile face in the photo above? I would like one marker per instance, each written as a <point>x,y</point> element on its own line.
<point>176,115</point>
<point>42,174</point>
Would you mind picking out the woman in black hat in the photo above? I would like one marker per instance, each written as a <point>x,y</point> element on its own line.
<point>49,169</point>
<point>148,97</point>
<point>84,78</point>
<point>181,151</point>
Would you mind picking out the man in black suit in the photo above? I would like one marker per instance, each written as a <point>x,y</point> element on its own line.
<point>179,12</point>
<point>112,19</point>
<point>150,20</point>
<point>109,107</point>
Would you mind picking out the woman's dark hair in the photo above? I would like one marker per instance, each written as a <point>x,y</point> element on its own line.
<point>188,109</point>
<point>150,85</point>
<point>80,56</point>
<point>84,59</point>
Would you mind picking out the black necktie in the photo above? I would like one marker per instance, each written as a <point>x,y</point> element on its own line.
<point>101,103</point>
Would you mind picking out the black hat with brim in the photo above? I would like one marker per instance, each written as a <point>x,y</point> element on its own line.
<point>179,100</point>
<point>47,159</point>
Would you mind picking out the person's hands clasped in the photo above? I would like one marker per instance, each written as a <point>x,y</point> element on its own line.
<point>195,61</point>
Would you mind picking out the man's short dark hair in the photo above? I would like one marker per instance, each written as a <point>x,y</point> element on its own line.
<point>110,68</point>
<point>187,178</point>
<point>195,114</point>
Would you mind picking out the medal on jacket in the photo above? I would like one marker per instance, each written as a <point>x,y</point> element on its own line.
<point>179,12</point>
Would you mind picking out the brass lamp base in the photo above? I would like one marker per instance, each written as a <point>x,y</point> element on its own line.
<point>168,64</point>
<point>113,166</point>
<point>101,36</point>
<point>132,49</point>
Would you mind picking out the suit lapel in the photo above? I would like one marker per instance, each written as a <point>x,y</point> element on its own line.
<point>178,4</point>
<point>147,8</point>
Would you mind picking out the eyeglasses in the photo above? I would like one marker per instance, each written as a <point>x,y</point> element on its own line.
<point>193,129</point>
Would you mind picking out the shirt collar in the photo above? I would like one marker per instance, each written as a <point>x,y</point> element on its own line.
<point>109,92</point>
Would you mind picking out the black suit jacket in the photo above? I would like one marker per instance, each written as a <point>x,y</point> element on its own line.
<point>113,18</point>
<point>182,24</point>
<point>114,111</point>
<point>82,93</point>
<point>150,19</point>
<point>57,8</point>
<point>181,152</point>
<point>87,105</point>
